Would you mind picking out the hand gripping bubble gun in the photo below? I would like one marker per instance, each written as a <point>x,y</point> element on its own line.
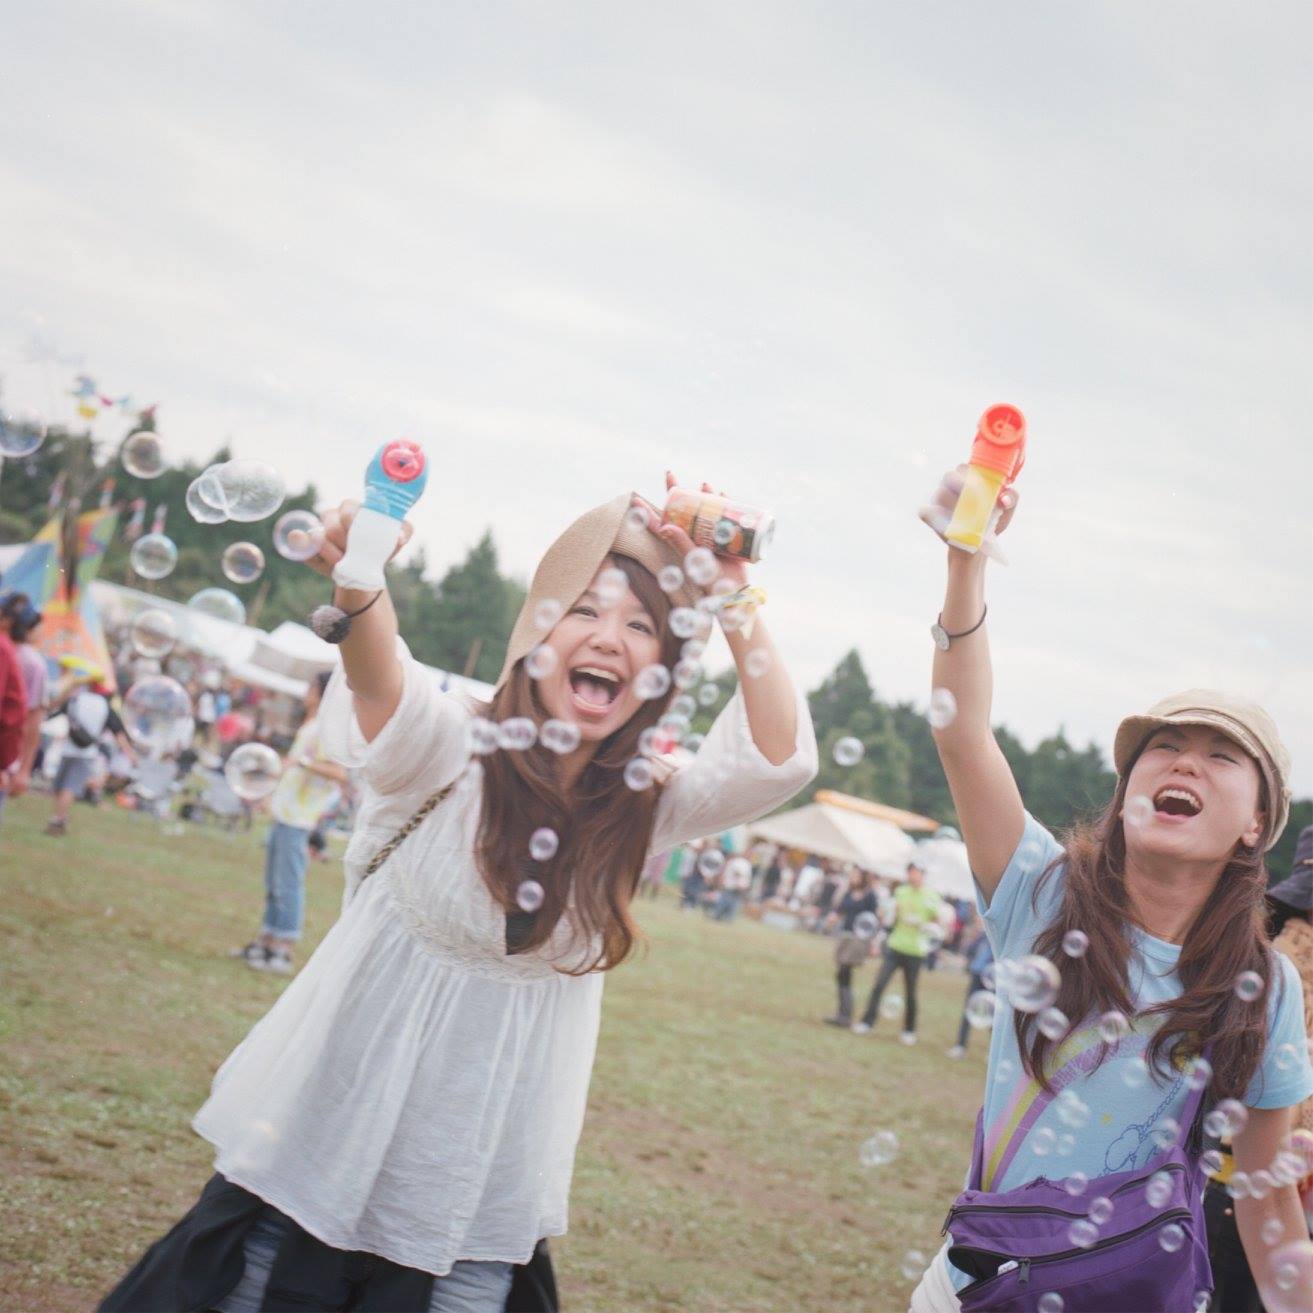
<point>997,455</point>
<point>393,484</point>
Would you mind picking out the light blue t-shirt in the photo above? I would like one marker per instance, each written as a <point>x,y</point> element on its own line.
<point>1101,1121</point>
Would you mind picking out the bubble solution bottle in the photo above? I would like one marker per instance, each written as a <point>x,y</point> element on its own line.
<point>997,456</point>
<point>393,484</point>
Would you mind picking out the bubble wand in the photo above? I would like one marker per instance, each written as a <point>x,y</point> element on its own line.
<point>394,482</point>
<point>997,455</point>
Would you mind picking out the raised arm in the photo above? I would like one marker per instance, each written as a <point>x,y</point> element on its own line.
<point>369,651</point>
<point>985,794</point>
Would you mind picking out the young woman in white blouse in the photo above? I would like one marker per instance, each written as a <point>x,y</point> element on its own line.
<point>398,1132</point>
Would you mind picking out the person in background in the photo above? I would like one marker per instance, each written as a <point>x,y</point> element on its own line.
<point>693,884</point>
<point>654,870</point>
<point>206,708</point>
<point>980,957</point>
<point>310,784</point>
<point>1290,902</point>
<point>735,881</point>
<point>827,894</point>
<point>915,907</point>
<point>18,618</point>
<point>808,881</point>
<point>90,717</point>
<point>857,920</point>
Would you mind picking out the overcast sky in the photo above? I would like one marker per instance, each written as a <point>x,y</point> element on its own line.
<point>795,249</point>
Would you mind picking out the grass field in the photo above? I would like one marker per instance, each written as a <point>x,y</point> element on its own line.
<point>718,1168</point>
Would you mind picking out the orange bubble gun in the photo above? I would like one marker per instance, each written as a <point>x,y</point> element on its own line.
<point>997,455</point>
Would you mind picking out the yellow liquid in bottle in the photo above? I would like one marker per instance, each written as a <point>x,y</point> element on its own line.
<point>974,507</point>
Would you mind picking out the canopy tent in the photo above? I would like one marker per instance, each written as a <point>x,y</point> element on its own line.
<point>947,870</point>
<point>841,835</point>
<point>905,820</point>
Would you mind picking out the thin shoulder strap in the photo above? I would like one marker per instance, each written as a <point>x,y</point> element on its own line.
<point>409,828</point>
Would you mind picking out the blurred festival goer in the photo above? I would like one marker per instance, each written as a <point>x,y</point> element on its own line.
<point>90,716</point>
<point>915,908</point>
<point>856,917</point>
<point>310,784</point>
<point>979,954</point>
<point>18,618</point>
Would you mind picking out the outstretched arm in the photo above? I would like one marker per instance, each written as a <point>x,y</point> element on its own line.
<point>984,790</point>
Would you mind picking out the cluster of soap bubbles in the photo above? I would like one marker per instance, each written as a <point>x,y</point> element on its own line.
<point>241,490</point>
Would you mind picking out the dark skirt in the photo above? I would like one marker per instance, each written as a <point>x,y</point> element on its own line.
<point>200,1262</point>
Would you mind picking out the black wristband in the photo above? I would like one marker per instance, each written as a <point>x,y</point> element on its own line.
<point>943,639</point>
<point>333,624</point>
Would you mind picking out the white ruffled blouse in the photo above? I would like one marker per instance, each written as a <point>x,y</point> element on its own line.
<point>416,1092</point>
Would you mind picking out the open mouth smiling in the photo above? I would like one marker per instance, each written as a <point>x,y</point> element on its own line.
<point>595,688</point>
<point>1177,801</point>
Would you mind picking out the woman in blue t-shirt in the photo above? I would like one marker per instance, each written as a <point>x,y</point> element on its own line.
<point>1153,917</point>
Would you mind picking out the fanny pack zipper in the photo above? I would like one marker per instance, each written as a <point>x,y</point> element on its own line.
<point>1039,1208</point>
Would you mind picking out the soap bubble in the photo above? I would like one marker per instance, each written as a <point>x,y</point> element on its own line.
<point>1248,986</point>
<point>693,649</point>
<point>1261,1184</point>
<point>153,556</point>
<point>559,736</point>
<point>1053,1023</point>
<point>708,694</point>
<point>880,1149</point>
<point>517,734</point>
<point>711,861</point>
<point>1043,1142</point>
<point>684,622</point>
<point>865,925</point>
<point>1138,810</point>
<point>891,1006</point>
<point>1292,1269</point>
<point>21,432</point>
<point>1076,1184</point>
<point>1050,1302</point>
<point>686,673</point>
<point>943,708</point>
<point>980,1009</point>
<point>543,844</point>
<point>693,742</point>
<point>647,742</point>
<point>252,771</point>
<point>142,454</point>
<point>1272,1230</point>
<point>1113,1027</point>
<point>638,774</point>
<point>1135,1073</point>
<point>1100,1209</point>
<point>848,751</point>
<point>541,661</point>
<point>1165,1131</point>
<point>153,633</point>
<point>1066,1144</point>
<point>652,682</point>
<point>1072,1109</point>
<point>243,563</point>
<point>219,603</point>
<point>684,705</point>
<point>612,585</point>
<point>670,578</point>
<point>529,896</point>
<point>1238,1185</point>
<point>912,1264</point>
<point>157,714</point>
<point>701,566</point>
<point>298,535</point>
<point>252,490</point>
<point>483,736</point>
<point>1198,1073</point>
<point>200,509</point>
<point>1211,1161</point>
<point>547,613</point>
<point>1171,1237</point>
<point>757,662</point>
<point>673,724</point>
<point>209,487</point>
<point>1083,1233</point>
<point>1033,984</point>
<point>1075,942</point>
<point>1286,1056</point>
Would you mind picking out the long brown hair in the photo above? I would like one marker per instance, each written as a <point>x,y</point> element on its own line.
<point>1227,937</point>
<point>604,826</point>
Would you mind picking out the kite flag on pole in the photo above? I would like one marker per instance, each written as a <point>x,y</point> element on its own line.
<point>62,591</point>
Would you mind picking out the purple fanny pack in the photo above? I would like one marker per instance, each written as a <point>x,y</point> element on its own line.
<point>1150,1254</point>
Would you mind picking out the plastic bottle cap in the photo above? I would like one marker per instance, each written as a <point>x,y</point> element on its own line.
<point>1000,443</point>
<point>1004,425</point>
<point>403,460</point>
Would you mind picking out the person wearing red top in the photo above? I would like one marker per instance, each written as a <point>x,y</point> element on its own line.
<point>13,703</point>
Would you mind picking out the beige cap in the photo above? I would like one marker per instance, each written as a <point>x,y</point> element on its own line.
<point>575,557</point>
<point>1237,717</point>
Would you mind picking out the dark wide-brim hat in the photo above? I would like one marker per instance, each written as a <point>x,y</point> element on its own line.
<point>1296,890</point>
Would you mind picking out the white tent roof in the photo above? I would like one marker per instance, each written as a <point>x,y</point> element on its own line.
<point>842,836</point>
<point>947,870</point>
